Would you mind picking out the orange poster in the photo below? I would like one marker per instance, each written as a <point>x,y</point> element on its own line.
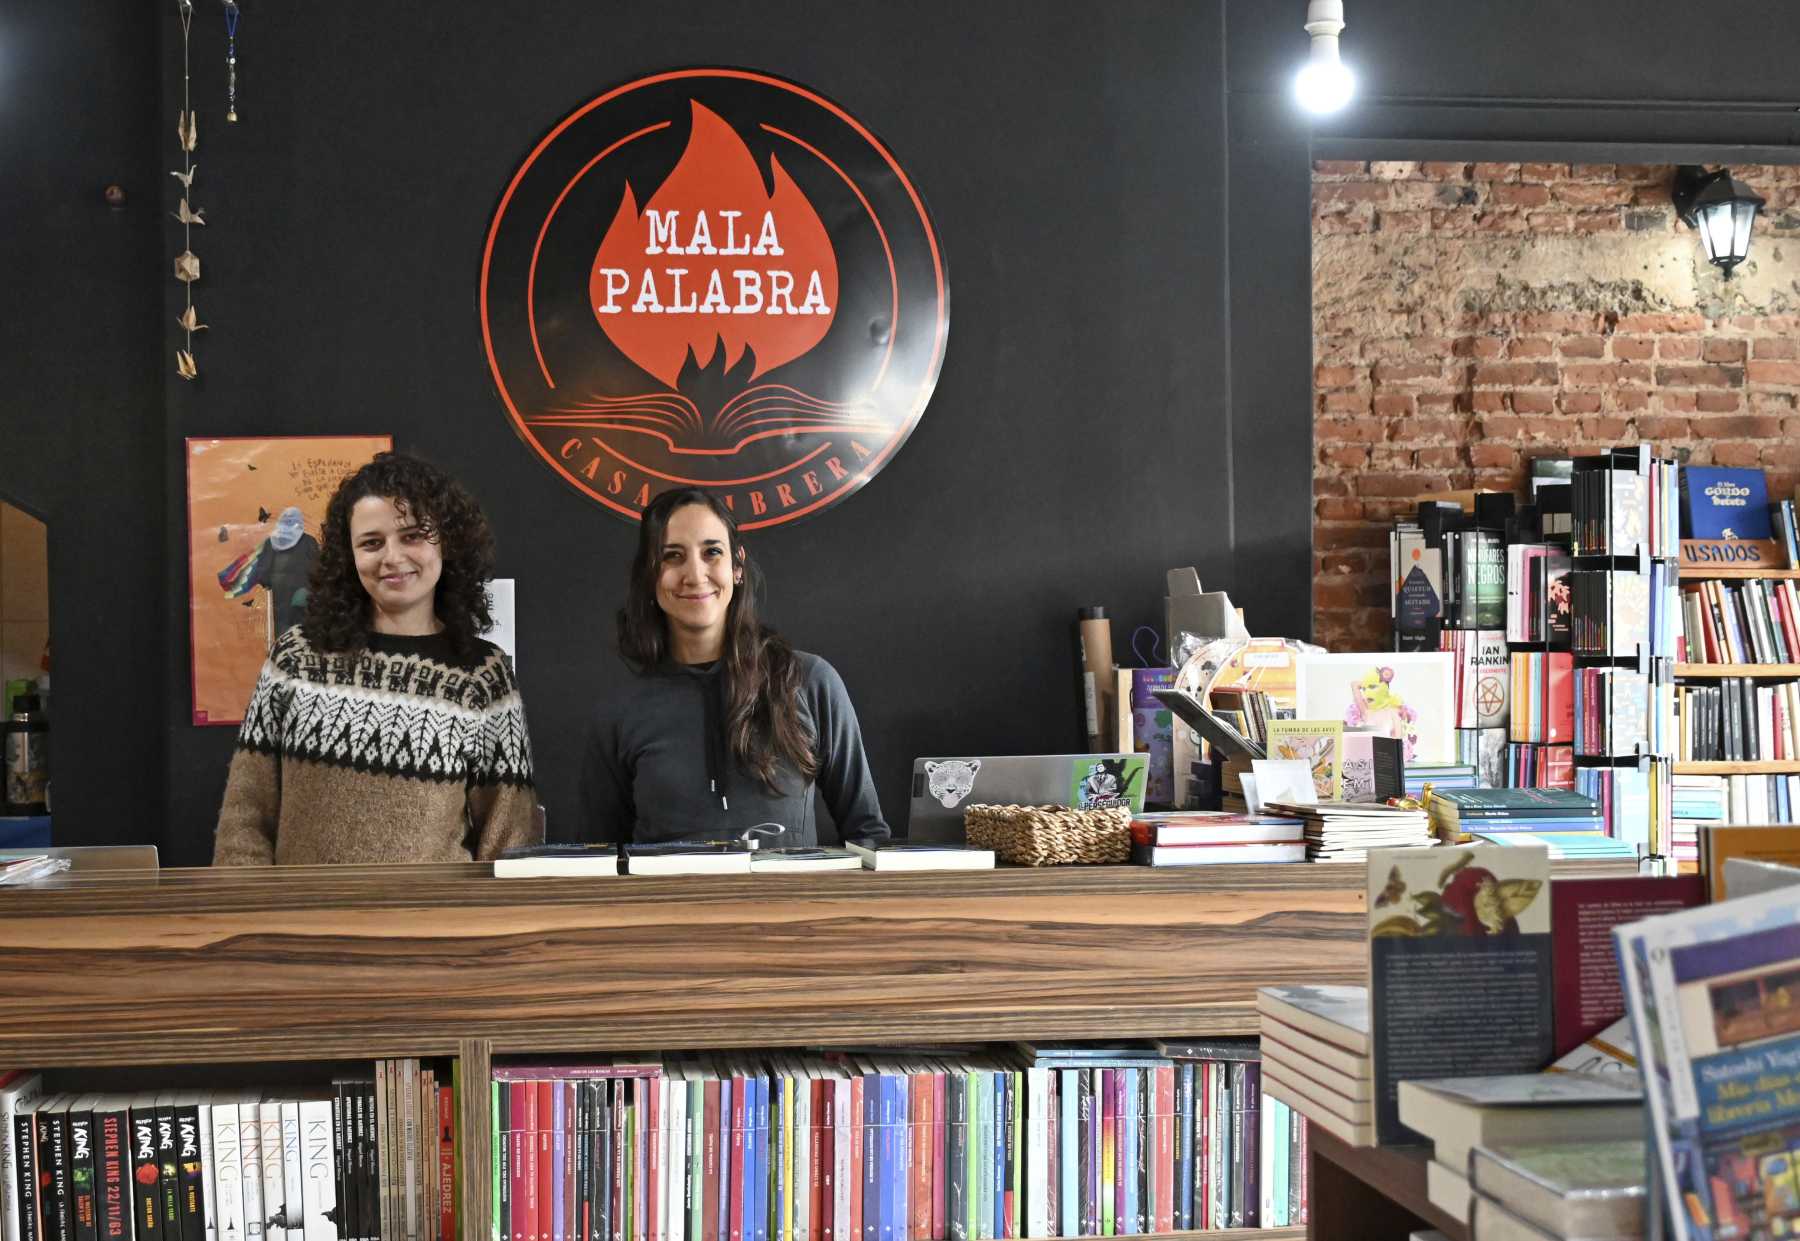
<point>255,510</point>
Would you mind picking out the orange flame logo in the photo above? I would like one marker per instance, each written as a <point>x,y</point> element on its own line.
<point>715,262</point>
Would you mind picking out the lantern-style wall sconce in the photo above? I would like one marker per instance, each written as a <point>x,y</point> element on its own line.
<point>1722,209</point>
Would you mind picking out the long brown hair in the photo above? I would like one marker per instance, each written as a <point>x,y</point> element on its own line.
<point>761,674</point>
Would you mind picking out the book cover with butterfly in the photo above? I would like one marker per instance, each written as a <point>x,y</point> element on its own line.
<point>1460,967</point>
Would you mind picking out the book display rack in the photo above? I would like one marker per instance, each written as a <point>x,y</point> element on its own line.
<point>1624,586</point>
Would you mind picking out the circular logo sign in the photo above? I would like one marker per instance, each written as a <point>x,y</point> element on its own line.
<point>714,278</point>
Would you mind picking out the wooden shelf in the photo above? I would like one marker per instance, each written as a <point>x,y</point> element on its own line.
<point>1696,573</point>
<point>1765,767</point>
<point>1737,670</point>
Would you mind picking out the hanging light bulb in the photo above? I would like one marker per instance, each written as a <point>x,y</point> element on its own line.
<point>1323,83</point>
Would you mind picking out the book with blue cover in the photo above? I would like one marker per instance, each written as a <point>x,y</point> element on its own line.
<point>1722,502</point>
<point>1711,993</point>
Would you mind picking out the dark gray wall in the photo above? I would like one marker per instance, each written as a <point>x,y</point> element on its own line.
<point>81,410</point>
<point>1122,191</point>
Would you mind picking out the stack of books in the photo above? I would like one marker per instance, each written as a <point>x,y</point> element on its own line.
<point>1339,831</point>
<point>1559,1190</point>
<point>1458,814</point>
<point>1566,846</point>
<point>1315,1055</point>
<point>1191,838</point>
<point>1440,776</point>
<point>1459,1114</point>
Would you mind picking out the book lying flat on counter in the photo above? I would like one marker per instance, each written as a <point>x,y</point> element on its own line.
<point>1568,1189</point>
<point>1346,831</point>
<point>802,859</point>
<point>540,861</point>
<point>688,857</point>
<point>923,857</point>
<point>1460,1113</point>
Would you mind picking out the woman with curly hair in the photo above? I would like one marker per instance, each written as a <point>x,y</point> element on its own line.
<point>725,726</point>
<point>383,727</point>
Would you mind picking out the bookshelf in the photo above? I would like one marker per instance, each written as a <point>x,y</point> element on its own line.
<point>1372,1191</point>
<point>308,964</point>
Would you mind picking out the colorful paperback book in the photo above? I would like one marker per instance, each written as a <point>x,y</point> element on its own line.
<point>1317,743</point>
<point>1712,993</point>
<point>1459,967</point>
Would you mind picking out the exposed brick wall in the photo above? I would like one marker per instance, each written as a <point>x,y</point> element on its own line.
<point>1467,317</point>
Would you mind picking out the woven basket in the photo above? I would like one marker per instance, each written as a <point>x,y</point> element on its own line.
<point>1050,835</point>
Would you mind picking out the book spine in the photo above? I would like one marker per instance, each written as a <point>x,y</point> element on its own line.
<point>603,1162</point>
<point>112,1178</point>
<point>1086,1152</point>
<point>54,1214</point>
<point>842,1163</point>
<point>274,1171</point>
<point>293,1173</point>
<point>146,1176</point>
<point>858,1142</point>
<point>189,1170</point>
<point>825,1160</point>
<point>1252,1160</point>
<point>319,1176</point>
<point>919,1157</point>
<point>228,1169</point>
<point>1068,1162</point>
<point>557,1149</point>
<point>447,1162</point>
<point>82,1216</point>
<point>1165,1149</point>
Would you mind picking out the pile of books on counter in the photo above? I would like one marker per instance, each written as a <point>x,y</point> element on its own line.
<point>1202,838</point>
<point>1338,831</point>
<point>1461,1115</point>
<point>1315,1047</point>
<point>1458,814</point>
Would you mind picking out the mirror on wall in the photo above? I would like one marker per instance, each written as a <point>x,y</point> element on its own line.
<point>24,676</point>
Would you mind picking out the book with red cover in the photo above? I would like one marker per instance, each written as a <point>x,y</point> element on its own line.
<point>545,1169</point>
<point>447,1163</point>
<point>825,1158</point>
<point>708,1189</point>
<point>1165,1149</point>
<point>735,1214</point>
<point>1559,697</point>
<point>1584,963</point>
<point>919,1122</point>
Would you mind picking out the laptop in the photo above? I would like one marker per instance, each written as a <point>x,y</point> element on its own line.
<point>941,787</point>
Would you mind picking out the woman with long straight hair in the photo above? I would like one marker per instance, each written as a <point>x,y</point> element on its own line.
<point>723,726</point>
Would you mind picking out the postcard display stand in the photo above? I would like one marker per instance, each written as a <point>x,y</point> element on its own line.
<point>1626,603</point>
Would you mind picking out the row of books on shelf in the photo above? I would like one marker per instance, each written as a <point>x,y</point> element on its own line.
<point>1752,622</point>
<point>1624,613</point>
<point>1736,719</point>
<point>1025,1141</point>
<point>1626,503</point>
<point>369,1159</point>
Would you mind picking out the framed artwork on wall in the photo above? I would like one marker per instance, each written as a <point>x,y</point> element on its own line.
<point>255,510</point>
<point>1406,695</point>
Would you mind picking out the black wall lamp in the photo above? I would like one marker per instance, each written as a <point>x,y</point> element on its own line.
<point>1722,209</point>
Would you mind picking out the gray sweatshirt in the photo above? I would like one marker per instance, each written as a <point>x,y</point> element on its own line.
<point>658,766</point>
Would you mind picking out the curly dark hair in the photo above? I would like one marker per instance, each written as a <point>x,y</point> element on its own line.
<point>761,673</point>
<point>338,608</point>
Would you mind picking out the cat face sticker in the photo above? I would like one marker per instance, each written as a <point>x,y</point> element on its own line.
<point>952,780</point>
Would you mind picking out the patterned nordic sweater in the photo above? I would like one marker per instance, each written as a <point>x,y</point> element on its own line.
<point>402,754</point>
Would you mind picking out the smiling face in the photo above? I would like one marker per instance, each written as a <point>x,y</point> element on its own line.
<point>695,583</point>
<point>399,563</point>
